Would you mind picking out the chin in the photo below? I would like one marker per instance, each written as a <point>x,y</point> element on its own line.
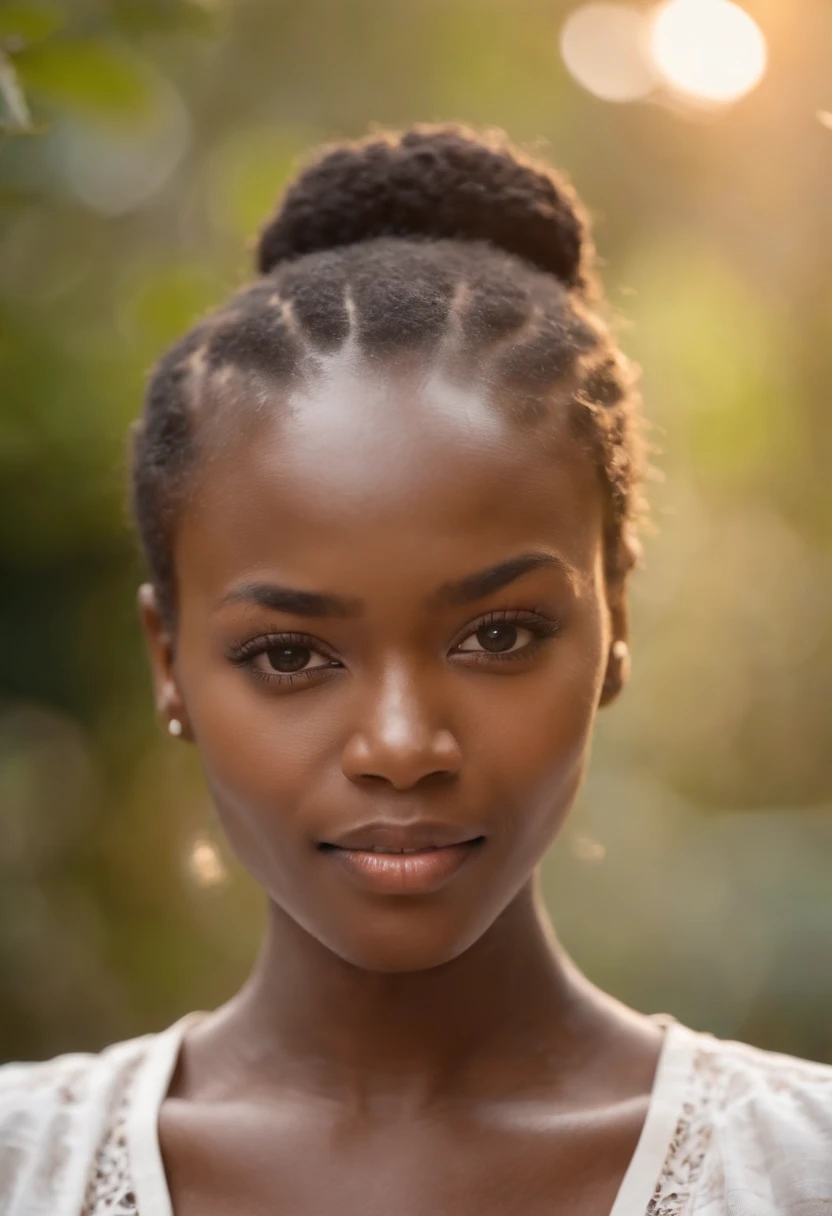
<point>402,943</point>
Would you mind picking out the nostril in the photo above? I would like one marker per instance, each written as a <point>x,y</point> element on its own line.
<point>410,781</point>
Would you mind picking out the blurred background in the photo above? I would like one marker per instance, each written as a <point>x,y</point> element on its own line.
<point>141,144</point>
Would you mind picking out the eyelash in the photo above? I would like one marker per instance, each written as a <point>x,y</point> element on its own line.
<point>543,628</point>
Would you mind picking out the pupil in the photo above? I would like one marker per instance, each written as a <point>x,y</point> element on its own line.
<point>288,658</point>
<point>497,637</point>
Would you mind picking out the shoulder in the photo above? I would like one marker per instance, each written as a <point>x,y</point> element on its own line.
<point>753,1083</point>
<point>52,1115</point>
<point>765,1127</point>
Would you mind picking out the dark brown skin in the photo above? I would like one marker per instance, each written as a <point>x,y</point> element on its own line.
<point>405,1054</point>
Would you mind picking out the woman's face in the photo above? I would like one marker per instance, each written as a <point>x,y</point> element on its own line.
<point>392,633</point>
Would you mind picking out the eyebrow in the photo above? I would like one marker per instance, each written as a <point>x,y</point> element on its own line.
<point>485,582</point>
<point>461,591</point>
<point>293,601</point>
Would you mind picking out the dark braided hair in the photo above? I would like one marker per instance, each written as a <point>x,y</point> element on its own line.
<point>405,242</point>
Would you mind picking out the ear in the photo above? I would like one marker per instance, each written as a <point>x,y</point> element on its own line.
<point>160,648</point>
<point>618,656</point>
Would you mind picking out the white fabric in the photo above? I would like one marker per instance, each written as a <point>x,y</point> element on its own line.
<point>730,1131</point>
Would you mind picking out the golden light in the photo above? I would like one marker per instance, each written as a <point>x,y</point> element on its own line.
<point>603,46</point>
<point>711,50</point>
<point>589,850</point>
<point>204,865</point>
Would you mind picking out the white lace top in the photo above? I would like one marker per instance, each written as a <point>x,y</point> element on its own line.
<point>730,1131</point>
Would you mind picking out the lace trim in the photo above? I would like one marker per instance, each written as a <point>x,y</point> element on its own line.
<point>691,1140</point>
<point>110,1186</point>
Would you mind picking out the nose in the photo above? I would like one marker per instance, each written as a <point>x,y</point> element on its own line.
<point>398,740</point>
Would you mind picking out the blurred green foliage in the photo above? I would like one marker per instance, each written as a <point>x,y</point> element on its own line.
<point>141,145</point>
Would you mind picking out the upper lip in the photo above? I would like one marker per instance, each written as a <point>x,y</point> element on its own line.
<point>422,834</point>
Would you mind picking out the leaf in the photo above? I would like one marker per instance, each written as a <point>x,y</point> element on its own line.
<point>86,74</point>
<point>28,23</point>
<point>170,16</point>
<point>14,103</point>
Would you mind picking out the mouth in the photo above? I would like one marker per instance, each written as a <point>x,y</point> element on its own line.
<point>377,848</point>
<point>401,870</point>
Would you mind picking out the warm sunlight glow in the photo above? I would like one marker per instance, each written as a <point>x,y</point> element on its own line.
<point>204,864</point>
<point>588,850</point>
<point>604,49</point>
<point>709,49</point>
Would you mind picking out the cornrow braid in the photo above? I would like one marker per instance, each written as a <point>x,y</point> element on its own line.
<point>438,241</point>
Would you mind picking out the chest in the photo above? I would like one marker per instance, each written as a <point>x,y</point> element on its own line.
<point>523,1163</point>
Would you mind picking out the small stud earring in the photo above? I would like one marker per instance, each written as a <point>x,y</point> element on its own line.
<point>620,650</point>
<point>175,727</point>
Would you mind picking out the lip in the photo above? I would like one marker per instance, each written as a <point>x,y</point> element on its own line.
<point>415,873</point>
<point>416,835</point>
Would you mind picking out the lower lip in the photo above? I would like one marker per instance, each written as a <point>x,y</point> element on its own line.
<point>404,873</point>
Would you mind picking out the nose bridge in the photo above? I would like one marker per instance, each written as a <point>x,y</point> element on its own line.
<point>400,734</point>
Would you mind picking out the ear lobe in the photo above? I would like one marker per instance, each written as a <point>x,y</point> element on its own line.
<point>609,691</point>
<point>617,674</point>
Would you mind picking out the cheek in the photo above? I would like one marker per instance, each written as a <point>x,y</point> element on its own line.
<point>534,749</point>
<point>263,756</point>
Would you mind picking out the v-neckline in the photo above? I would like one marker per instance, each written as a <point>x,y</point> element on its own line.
<point>670,1085</point>
<point>673,1073</point>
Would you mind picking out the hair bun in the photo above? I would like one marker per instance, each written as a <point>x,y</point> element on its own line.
<point>432,182</point>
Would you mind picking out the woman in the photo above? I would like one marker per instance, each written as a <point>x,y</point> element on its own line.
<point>388,498</point>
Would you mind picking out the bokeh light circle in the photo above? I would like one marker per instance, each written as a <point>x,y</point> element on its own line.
<point>708,49</point>
<point>604,48</point>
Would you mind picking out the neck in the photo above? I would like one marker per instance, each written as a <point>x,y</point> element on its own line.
<point>507,1007</point>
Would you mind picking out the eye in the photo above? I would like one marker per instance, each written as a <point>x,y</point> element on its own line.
<point>507,634</point>
<point>498,637</point>
<point>283,658</point>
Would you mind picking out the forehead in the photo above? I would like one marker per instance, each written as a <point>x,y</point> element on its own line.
<point>390,473</point>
